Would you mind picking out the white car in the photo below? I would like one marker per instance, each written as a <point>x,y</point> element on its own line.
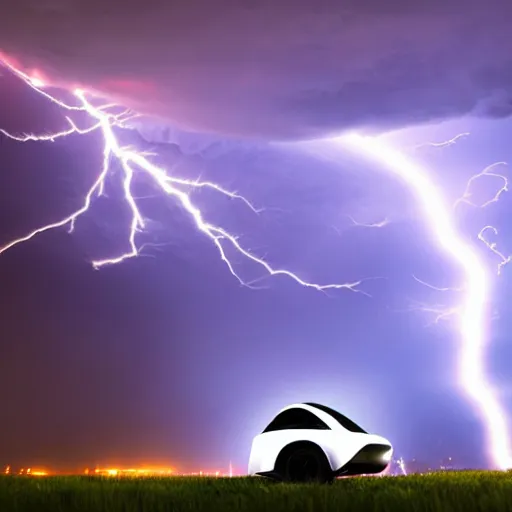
<point>312,442</point>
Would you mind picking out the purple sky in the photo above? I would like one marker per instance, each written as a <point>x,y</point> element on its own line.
<point>166,358</point>
<point>274,69</point>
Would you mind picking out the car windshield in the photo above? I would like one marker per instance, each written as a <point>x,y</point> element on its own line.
<point>342,420</point>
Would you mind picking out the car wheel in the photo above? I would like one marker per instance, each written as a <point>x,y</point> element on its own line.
<point>306,464</point>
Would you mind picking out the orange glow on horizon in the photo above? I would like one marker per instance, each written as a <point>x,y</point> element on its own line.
<point>28,472</point>
<point>118,472</point>
<point>144,471</point>
<point>151,471</point>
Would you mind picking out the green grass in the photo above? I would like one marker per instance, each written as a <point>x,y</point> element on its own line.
<point>441,492</point>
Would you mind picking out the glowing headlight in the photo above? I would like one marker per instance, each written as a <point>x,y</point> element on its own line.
<point>386,457</point>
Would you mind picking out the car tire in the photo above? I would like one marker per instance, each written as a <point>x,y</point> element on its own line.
<point>306,463</point>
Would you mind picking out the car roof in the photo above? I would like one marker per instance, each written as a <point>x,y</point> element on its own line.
<point>331,417</point>
<point>326,418</point>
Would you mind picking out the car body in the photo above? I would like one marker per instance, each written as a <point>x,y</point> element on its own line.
<point>330,441</point>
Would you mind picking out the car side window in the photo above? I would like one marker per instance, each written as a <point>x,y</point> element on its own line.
<point>342,420</point>
<point>296,419</point>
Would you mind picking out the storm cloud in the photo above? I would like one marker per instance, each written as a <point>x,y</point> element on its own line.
<point>274,70</point>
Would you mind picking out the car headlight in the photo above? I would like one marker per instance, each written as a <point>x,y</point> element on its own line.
<point>386,456</point>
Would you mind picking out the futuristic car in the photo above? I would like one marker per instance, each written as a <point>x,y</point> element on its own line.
<point>312,442</point>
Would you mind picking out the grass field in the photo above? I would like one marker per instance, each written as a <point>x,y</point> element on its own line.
<point>441,492</point>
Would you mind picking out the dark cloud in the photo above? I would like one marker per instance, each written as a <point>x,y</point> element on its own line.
<point>275,69</point>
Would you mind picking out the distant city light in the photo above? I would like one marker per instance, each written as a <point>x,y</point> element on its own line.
<point>26,472</point>
<point>398,467</point>
<point>132,471</point>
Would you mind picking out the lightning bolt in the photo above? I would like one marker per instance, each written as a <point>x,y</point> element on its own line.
<point>492,246</point>
<point>441,312</point>
<point>488,171</point>
<point>379,224</point>
<point>471,313</point>
<point>437,288</point>
<point>131,161</point>
<point>437,214</point>
<point>401,465</point>
<point>443,144</point>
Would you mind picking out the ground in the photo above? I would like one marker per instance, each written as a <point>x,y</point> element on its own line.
<point>441,492</point>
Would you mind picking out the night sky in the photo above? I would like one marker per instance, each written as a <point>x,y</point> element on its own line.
<point>166,358</point>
